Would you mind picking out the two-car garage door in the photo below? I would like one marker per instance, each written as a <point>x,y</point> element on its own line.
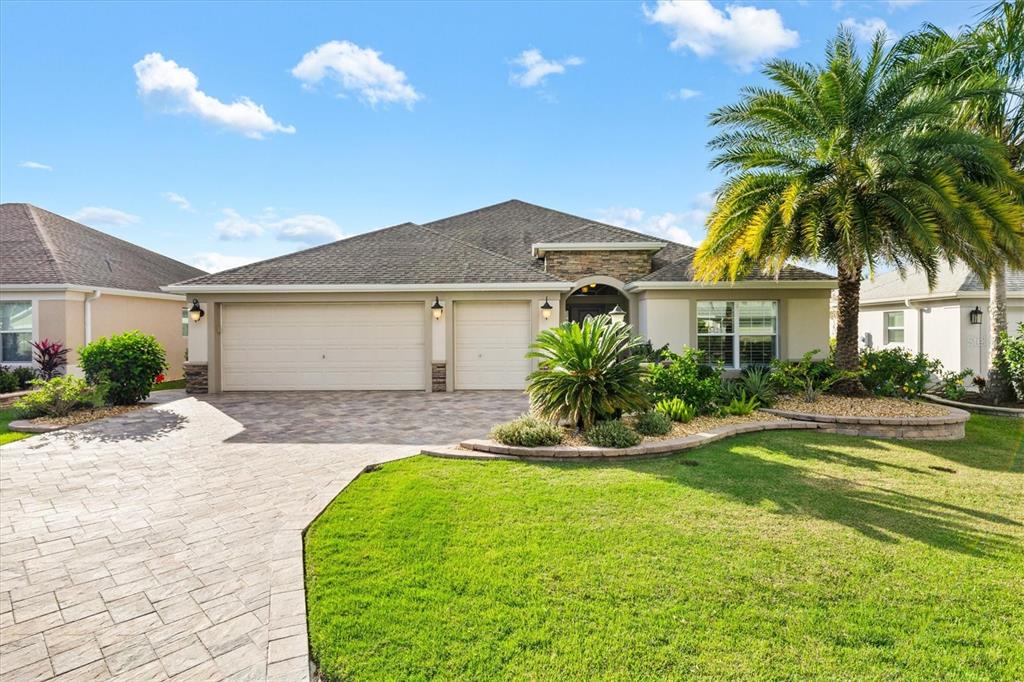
<point>323,347</point>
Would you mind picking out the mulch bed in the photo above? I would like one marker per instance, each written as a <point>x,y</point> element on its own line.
<point>861,407</point>
<point>88,415</point>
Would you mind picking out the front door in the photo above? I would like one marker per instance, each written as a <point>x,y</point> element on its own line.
<point>579,312</point>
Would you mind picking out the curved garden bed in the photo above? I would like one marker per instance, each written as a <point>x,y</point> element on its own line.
<point>976,407</point>
<point>917,422</point>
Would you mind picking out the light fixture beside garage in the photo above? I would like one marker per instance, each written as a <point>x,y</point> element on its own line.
<point>437,308</point>
<point>975,315</point>
<point>196,313</point>
<point>545,309</point>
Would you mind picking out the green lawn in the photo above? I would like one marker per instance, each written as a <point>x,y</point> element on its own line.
<point>7,415</point>
<point>168,385</point>
<point>781,556</point>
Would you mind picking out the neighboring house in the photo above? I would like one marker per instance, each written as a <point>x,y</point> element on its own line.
<point>937,322</point>
<point>66,282</point>
<point>454,304</point>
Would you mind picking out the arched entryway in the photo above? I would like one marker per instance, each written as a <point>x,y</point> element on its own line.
<point>596,296</point>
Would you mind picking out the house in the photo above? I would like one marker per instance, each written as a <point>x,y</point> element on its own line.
<point>66,282</point>
<point>454,305</point>
<point>938,322</point>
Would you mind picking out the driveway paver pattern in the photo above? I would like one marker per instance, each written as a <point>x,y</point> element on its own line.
<point>159,544</point>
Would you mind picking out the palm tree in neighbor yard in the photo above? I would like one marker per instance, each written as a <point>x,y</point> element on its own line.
<point>992,49</point>
<point>856,164</point>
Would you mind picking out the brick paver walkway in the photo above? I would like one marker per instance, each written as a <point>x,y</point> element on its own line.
<point>160,544</point>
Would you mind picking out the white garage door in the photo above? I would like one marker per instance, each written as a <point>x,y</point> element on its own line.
<point>491,342</point>
<point>323,347</point>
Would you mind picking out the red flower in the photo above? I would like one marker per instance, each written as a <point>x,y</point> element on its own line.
<point>159,379</point>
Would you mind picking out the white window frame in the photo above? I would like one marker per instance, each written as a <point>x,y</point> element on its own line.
<point>735,334</point>
<point>890,328</point>
<point>31,332</point>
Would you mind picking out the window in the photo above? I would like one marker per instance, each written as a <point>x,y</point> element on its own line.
<point>16,331</point>
<point>739,333</point>
<point>184,321</point>
<point>894,327</point>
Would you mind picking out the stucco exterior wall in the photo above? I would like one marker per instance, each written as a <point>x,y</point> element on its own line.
<point>113,314</point>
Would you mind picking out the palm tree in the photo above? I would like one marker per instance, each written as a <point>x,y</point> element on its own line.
<point>855,164</point>
<point>994,49</point>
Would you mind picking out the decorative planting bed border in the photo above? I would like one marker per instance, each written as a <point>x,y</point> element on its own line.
<point>946,427</point>
<point>972,407</point>
<point>26,426</point>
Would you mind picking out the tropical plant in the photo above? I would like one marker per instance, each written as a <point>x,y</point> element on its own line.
<point>651,354</point>
<point>741,405</point>
<point>896,372</point>
<point>527,432</point>
<point>51,356</point>
<point>856,164</point>
<point>612,434</point>
<point>127,362</point>
<point>757,382</point>
<point>992,50</point>
<point>587,372</point>
<point>1013,360</point>
<point>652,423</point>
<point>685,376</point>
<point>676,409</point>
<point>56,397</point>
<point>808,377</point>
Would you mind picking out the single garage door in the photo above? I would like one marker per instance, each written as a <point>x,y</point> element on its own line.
<point>323,347</point>
<point>491,342</point>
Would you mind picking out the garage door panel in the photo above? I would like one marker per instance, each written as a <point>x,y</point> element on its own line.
<point>323,347</point>
<point>491,342</point>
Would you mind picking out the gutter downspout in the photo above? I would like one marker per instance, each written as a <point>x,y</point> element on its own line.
<point>920,324</point>
<point>88,313</point>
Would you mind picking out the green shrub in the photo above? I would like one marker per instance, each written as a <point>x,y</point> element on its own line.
<point>612,434</point>
<point>741,405</point>
<point>587,372</point>
<point>15,378</point>
<point>1013,359</point>
<point>527,432</point>
<point>56,397</point>
<point>807,377</point>
<point>757,382</point>
<point>685,377</point>
<point>653,423</point>
<point>896,372</point>
<point>951,384</point>
<point>676,409</point>
<point>129,362</point>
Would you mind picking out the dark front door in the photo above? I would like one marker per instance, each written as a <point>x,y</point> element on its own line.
<point>579,312</point>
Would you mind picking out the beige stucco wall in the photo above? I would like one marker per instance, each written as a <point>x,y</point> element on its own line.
<point>112,314</point>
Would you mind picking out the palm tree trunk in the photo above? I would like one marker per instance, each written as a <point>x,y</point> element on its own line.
<point>847,354</point>
<point>997,384</point>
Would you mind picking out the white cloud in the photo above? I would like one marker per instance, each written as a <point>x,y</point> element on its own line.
<point>742,34</point>
<point>867,29</point>
<point>105,216</point>
<point>179,201</point>
<point>307,228</point>
<point>902,4</point>
<point>35,165</point>
<point>684,94</point>
<point>535,68</point>
<point>677,227</point>
<point>211,261</point>
<point>358,69</point>
<point>234,226</point>
<point>177,88</point>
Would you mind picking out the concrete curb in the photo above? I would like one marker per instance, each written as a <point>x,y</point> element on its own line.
<point>27,426</point>
<point>971,407</point>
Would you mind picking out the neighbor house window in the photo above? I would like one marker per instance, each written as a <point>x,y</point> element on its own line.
<point>894,327</point>
<point>184,321</point>
<point>16,331</point>
<point>739,333</point>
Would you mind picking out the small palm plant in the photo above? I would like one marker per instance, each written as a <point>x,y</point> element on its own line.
<point>587,372</point>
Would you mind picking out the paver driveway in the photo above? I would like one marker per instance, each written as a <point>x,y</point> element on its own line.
<point>157,544</point>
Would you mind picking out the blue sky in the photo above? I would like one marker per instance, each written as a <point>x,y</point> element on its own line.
<point>224,133</point>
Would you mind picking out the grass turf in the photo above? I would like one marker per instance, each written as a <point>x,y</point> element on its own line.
<point>7,415</point>
<point>786,555</point>
<point>168,385</point>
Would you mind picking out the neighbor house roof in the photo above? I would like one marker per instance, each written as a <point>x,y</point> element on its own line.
<point>489,245</point>
<point>40,247</point>
<point>951,281</point>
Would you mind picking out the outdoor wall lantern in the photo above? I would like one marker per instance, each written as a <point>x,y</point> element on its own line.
<point>195,312</point>
<point>437,308</point>
<point>618,315</point>
<point>975,315</point>
<point>545,309</point>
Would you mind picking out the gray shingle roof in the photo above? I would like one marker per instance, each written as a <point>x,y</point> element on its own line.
<point>40,247</point>
<point>951,280</point>
<point>680,271</point>
<point>403,254</point>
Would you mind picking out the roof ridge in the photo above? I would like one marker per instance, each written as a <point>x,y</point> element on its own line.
<point>593,223</point>
<point>481,249</point>
<point>472,211</point>
<point>44,237</point>
<point>319,247</point>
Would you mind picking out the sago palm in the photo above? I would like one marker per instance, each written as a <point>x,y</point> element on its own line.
<point>587,371</point>
<point>853,164</point>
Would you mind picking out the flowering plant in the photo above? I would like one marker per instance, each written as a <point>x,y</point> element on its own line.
<point>51,356</point>
<point>159,379</point>
<point>896,372</point>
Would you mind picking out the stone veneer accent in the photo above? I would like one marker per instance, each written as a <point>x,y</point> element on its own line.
<point>948,427</point>
<point>438,377</point>
<point>622,265</point>
<point>196,377</point>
